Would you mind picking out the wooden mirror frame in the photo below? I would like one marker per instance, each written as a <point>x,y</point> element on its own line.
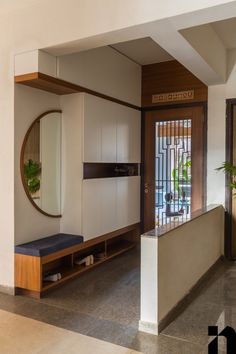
<point>22,163</point>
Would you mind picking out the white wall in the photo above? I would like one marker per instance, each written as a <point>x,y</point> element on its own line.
<point>217,96</point>
<point>89,23</point>
<point>185,255</point>
<point>216,144</point>
<point>103,70</point>
<point>173,262</point>
<point>29,223</point>
<point>72,167</point>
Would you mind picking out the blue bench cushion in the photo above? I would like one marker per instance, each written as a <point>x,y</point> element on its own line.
<point>48,245</point>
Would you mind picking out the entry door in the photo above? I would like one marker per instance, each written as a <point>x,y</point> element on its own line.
<point>173,165</point>
<point>231,249</point>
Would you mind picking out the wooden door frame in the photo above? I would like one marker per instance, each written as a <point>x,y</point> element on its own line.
<point>230,103</point>
<point>203,105</point>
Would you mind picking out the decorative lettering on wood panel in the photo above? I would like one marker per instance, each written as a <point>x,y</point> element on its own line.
<point>173,96</point>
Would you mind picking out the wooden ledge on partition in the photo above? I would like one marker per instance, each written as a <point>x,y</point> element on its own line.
<point>61,87</point>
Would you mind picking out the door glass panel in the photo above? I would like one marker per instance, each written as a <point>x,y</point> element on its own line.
<point>172,171</point>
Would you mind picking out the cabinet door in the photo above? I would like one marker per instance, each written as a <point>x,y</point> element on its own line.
<point>91,219</point>
<point>133,199</point>
<point>128,201</point>
<point>108,130</point>
<point>99,130</point>
<point>112,132</point>
<point>135,137</point>
<point>99,207</point>
<point>129,135</point>
<point>108,205</point>
<point>92,132</point>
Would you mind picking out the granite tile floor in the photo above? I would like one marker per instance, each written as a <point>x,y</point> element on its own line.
<point>104,304</point>
<point>44,338</point>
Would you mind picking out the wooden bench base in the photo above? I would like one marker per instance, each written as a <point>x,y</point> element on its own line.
<point>30,270</point>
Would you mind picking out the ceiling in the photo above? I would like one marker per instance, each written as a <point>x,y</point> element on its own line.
<point>226,30</point>
<point>143,51</point>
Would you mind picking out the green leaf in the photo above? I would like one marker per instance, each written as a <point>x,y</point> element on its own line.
<point>31,169</point>
<point>34,185</point>
<point>227,168</point>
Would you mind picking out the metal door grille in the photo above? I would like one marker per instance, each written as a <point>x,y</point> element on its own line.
<point>173,170</point>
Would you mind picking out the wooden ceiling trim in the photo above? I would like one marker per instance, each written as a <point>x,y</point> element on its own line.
<point>61,87</point>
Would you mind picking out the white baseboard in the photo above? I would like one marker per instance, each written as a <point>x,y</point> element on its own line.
<point>148,327</point>
<point>9,290</point>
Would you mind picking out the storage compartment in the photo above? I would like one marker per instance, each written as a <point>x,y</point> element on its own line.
<point>108,170</point>
<point>32,270</point>
<point>120,244</point>
<point>98,252</point>
<point>62,266</point>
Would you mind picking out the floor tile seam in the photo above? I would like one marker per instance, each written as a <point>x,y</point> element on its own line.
<point>79,312</point>
<point>91,317</point>
<point>183,340</point>
<point>64,309</point>
<point>82,332</point>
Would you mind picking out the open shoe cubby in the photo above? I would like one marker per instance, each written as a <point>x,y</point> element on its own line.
<point>30,278</point>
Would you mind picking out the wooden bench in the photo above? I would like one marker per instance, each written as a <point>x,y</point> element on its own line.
<point>57,254</point>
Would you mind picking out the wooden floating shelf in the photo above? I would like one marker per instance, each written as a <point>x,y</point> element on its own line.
<point>61,87</point>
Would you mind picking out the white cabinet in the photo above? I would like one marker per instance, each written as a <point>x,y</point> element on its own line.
<point>99,207</point>
<point>128,136</point>
<point>110,204</point>
<point>128,201</point>
<point>112,132</point>
<point>96,130</point>
<point>92,118</point>
<point>99,130</point>
<point>91,208</point>
<point>108,138</point>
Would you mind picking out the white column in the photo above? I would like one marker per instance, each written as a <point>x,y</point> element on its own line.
<point>149,285</point>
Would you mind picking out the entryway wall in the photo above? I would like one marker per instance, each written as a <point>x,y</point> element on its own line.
<point>93,26</point>
<point>30,103</point>
<point>217,95</point>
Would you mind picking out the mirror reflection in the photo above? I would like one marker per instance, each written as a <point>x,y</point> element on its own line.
<point>41,163</point>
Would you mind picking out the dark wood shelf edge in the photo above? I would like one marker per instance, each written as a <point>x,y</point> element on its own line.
<point>90,243</point>
<point>61,87</point>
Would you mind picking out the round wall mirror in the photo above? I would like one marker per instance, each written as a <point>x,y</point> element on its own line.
<point>41,163</point>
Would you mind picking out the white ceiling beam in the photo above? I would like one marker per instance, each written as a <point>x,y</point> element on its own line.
<point>166,33</point>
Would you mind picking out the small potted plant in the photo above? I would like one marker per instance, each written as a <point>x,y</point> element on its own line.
<point>32,171</point>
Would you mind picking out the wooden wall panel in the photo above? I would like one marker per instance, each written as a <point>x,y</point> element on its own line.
<point>170,76</point>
